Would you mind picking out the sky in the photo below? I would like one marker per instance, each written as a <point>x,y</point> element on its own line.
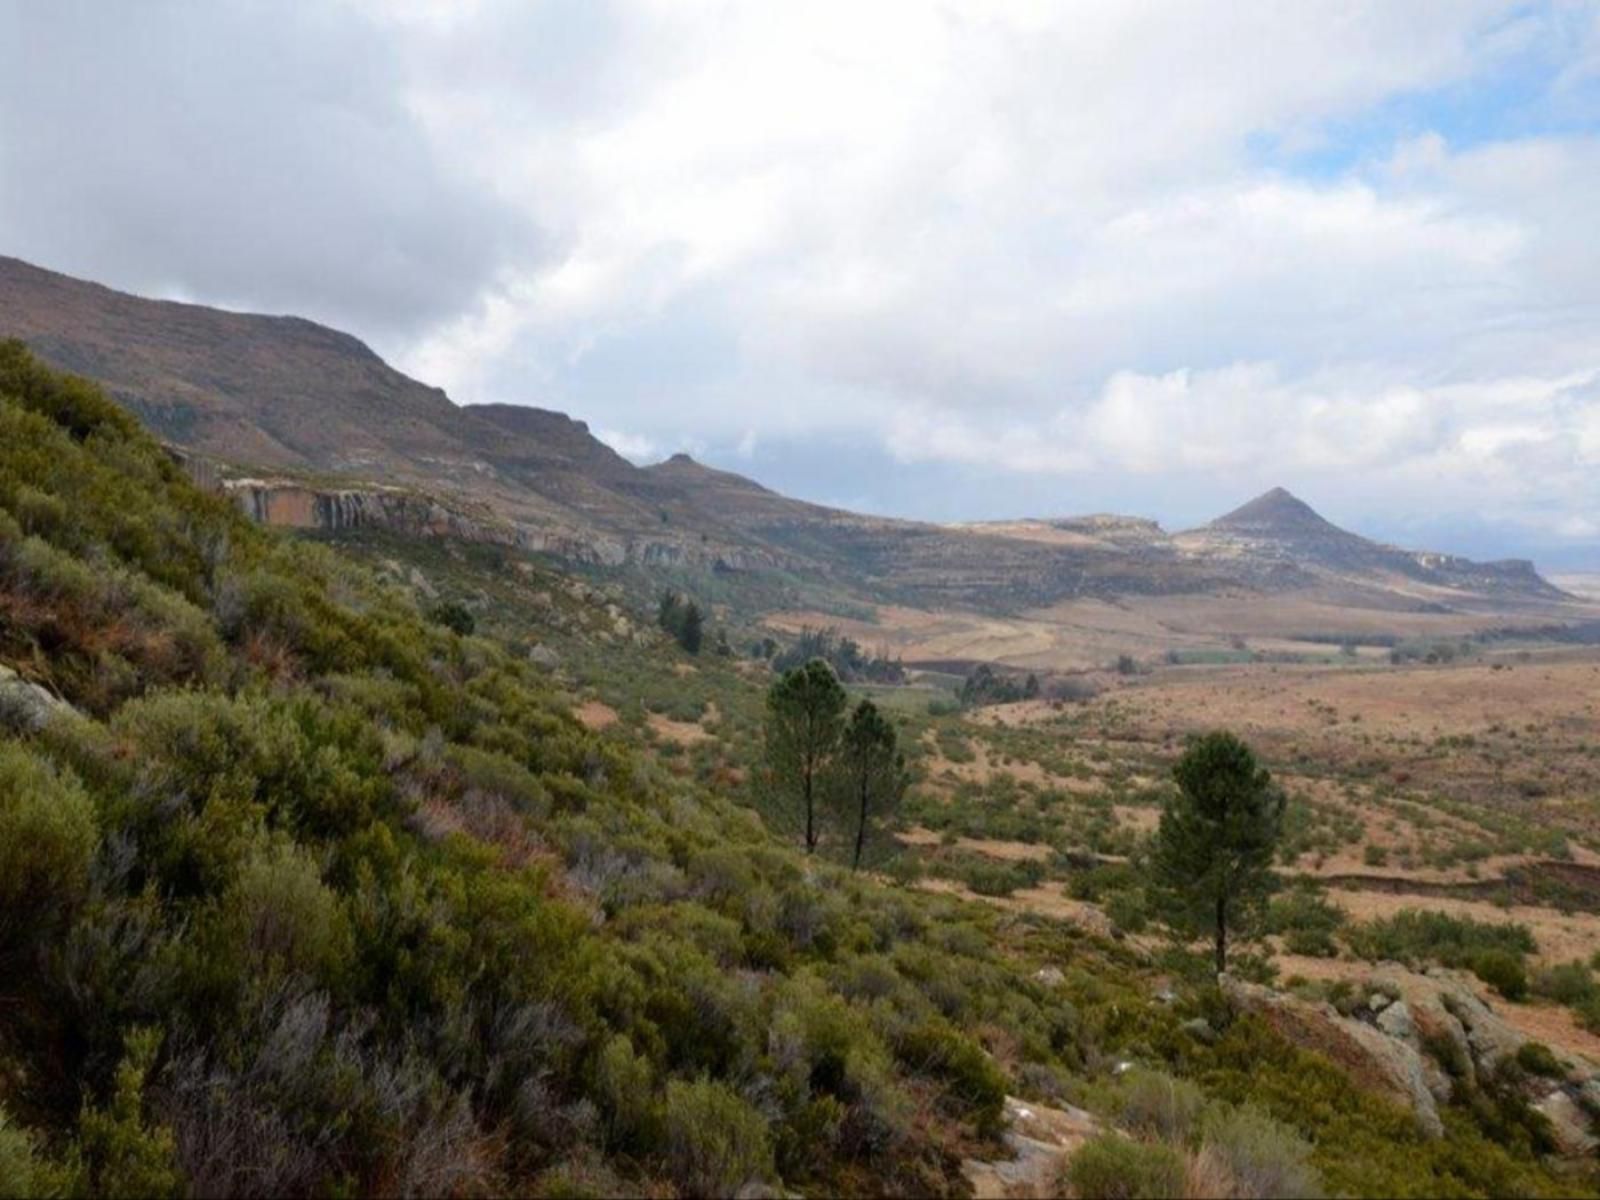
<point>949,259</point>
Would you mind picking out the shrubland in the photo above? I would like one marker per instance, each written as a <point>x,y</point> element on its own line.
<point>308,885</point>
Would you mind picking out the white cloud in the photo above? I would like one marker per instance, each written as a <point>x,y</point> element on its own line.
<point>1008,236</point>
<point>630,445</point>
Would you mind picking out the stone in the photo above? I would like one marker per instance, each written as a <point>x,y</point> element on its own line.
<point>1379,1001</point>
<point>26,707</point>
<point>1199,1029</point>
<point>1569,1124</point>
<point>1041,1140</point>
<point>1371,1058</point>
<point>1050,976</point>
<point>1395,1020</point>
<point>544,656</point>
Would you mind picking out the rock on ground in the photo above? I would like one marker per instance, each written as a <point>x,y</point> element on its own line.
<point>1042,1140</point>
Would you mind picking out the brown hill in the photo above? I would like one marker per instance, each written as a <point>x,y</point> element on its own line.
<point>307,425</point>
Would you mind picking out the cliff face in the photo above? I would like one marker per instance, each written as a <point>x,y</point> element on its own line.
<point>291,504</point>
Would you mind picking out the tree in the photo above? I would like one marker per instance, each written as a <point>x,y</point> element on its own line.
<point>1212,864</point>
<point>669,612</point>
<point>871,771</point>
<point>693,630</point>
<point>805,717</point>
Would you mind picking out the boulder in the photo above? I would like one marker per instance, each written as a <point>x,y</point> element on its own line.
<point>544,656</point>
<point>26,707</point>
<point>1041,1140</point>
<point>1200,1030</point>
<point>1050,976</point>
<point>1371,1058</point>
<point>1569,1124</point>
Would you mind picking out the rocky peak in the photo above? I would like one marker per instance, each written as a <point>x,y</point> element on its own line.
<point>1275,513</point>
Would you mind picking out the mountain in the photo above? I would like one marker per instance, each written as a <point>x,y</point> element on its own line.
<point>306,426</point>
<point>1279,536</point>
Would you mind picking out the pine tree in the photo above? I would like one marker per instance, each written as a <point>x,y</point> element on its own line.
<point>1212,863</point>
<point>693,631</point>
<point>805,717</point>
<point>871,771</point>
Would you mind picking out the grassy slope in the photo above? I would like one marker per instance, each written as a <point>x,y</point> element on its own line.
<point>312,895</point>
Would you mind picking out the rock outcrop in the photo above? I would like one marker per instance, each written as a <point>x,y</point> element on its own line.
<point>1372,1058</point>
<point>1420,1034</point>
<point>26,707</point>
<point>1041,1139</point>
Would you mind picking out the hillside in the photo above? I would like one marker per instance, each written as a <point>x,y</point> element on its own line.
<point>308,427</point>
<point>305,893</point>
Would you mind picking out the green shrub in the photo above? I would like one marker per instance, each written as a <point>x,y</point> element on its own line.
<point>1414,935</point>
<point>1112,1167</point>
<point>1306,921</point>
<point>1567,983</point>
<point>937,1048</point>
<point>1538,1059</point>
<point>21,1173</point>
<point>123,1153</point>
<point>1263,1159</point>
<point>454,616</point>
<point>715,1143</point>
<point>1156,1105</point>
<point>47,838</point>
<point>624,1089</point>
<point>278,918</point>
<point>1503,971</point>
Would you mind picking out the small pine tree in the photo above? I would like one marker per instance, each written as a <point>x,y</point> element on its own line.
<point>1212,863</point>
<point>669,613</point>
<point>871,771</point>
<point>805,718</point>
<point>693,630</point>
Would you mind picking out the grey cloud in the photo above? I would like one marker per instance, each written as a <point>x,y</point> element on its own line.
<point>253,154</point>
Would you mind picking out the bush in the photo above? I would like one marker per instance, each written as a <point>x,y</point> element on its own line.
<point>1538,1059</point>
<point>277,918</point>
<point>47,838</point>
<point>1306,921</point>
<point>454,616</point>
<point>20,1172</point>
<point>715,1142</point>
<point>1156,1105</point>
<point>124,1154</point>
<point>1112,1167</point>
<point>1567,983</point>
<point>1263,1158</point>
<point>624,1090</point>
<point>937,1048</point>
<point>1503,971</point>
<point>1413,935</point>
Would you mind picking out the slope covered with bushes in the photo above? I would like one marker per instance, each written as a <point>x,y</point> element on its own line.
<point>309,893</point>
<point>304,892</point>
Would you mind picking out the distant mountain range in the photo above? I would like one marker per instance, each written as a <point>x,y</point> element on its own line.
<point>307,426</point>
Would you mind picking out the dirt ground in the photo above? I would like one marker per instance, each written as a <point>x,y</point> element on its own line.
<point>596,714</point>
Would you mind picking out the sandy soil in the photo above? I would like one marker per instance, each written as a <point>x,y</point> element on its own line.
<point>595,714</point>
<point>684,733</point>
<point>1005,851</point>
<point>1089,633</point>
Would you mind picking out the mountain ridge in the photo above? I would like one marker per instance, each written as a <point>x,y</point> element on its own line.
<point>336,430</point>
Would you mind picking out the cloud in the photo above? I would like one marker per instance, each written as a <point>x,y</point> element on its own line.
<point>239,152</point>
<point>1191,247</point>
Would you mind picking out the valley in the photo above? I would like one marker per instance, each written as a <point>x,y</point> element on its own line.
<point>458,676</point>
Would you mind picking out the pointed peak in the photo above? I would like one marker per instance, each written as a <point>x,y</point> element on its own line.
<point>1275,511</point>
